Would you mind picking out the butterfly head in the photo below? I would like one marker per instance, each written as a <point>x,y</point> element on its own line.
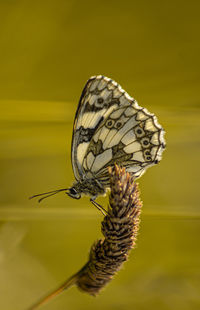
<point>73,192</point>
<point>89,187</point>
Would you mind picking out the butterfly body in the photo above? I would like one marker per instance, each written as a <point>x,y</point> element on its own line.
<point>89,187</point>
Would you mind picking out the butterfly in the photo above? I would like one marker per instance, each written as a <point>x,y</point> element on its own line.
<point>110,128</point>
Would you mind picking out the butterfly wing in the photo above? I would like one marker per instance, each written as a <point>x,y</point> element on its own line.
<point>97,101</point>
<point>110,127</point>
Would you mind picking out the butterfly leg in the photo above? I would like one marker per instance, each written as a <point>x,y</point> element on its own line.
<point>99,207</point>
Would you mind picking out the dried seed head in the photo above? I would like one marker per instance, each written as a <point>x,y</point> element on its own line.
<point>119,228</point>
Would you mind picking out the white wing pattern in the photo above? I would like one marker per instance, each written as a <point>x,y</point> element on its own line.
<point>110,127</point>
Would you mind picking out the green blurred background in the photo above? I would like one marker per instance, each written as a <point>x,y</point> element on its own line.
<point>48,51</point>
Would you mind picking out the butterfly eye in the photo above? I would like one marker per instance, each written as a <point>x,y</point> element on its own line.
<point>73,193</point>
<point>145,142</point>
<point>139,132</point>
<point>110,123</point>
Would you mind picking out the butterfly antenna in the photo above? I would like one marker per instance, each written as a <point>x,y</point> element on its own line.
<point>48,194</point>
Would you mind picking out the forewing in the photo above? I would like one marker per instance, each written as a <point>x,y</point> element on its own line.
<point>99,98</point>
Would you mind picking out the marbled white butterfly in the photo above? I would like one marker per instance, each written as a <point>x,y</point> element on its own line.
<point>110,127</point>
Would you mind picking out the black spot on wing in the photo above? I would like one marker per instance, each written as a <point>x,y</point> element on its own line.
<point>86,134</point>
<point>95,147</point>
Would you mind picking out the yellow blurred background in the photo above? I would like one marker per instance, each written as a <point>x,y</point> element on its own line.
<point>48,50</point>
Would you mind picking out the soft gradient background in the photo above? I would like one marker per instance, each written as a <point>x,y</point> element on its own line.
<point>48,50</point>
